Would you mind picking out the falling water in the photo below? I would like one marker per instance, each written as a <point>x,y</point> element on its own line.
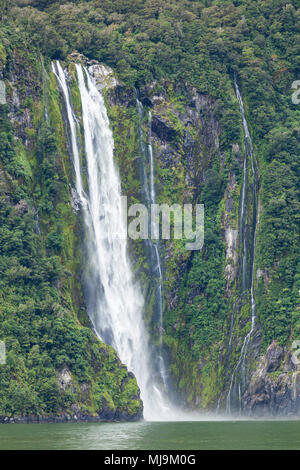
<point>240,367</point>
<point>114,300</point>
<point>155,229</point>
<point>152,244</point>
<point>152,187</point>
<point>143,156</point>
<point>61,78</point>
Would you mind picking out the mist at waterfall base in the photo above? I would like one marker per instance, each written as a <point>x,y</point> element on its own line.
<point>114,299</point>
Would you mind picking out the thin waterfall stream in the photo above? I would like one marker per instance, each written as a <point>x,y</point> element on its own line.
<point>238,377</point>
<point>114,299</point>
<point>155,229</point>
<point>148,182</point>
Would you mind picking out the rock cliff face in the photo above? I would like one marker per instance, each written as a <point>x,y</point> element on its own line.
<point>274,387</point>
<point>189,162</point>
<point>201,342</point>
<point>56,369</point>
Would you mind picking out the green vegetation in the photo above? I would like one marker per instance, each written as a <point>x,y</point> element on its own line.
<point>164,49</point>
<point>43,321</point>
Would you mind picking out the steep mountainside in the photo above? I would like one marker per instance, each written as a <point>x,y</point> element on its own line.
<point>55,366</point>
<point>181,59</point>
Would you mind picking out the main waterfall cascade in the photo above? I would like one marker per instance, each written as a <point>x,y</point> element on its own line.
<point>238,378</point>
<point>152,246</point>
<point>114,300</point>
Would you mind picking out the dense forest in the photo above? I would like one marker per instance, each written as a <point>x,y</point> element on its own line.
<point>181,57</point>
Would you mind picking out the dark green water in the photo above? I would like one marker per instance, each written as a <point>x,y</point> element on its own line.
<point>153,435</point>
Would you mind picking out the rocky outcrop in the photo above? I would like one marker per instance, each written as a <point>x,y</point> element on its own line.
<point>75,416</point>
<point>274,387</point>
<point>75,200</point>
<point>121,96</point>
<point>162,129</point>
<point>65,379</point>
<point>103,75</point>
<point>74,413</point>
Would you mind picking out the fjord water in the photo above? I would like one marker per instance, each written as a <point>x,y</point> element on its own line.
<point>201,435</point>
<point>114,300</point>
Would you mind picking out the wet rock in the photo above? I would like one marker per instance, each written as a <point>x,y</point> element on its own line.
<point>103,76</point>
<point>274,387</point>
<point>85,391</point>
<point>64,379</point>
<point>162,129</point>
<point>75,200</point>
<point>73,416</point>
<point>121,96</point>
<point>22,207</point>
<point>274,355</point>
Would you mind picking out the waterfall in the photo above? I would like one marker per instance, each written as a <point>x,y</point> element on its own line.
<point>155,229</point>
<point>114,300</point>
<point>61,78</point>
<point>152,245</point>
<point>248,253</point>
<point>152,179</point>
<point>143,156</point>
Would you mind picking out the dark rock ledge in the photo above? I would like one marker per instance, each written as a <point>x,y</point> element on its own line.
<point>102,417</point>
